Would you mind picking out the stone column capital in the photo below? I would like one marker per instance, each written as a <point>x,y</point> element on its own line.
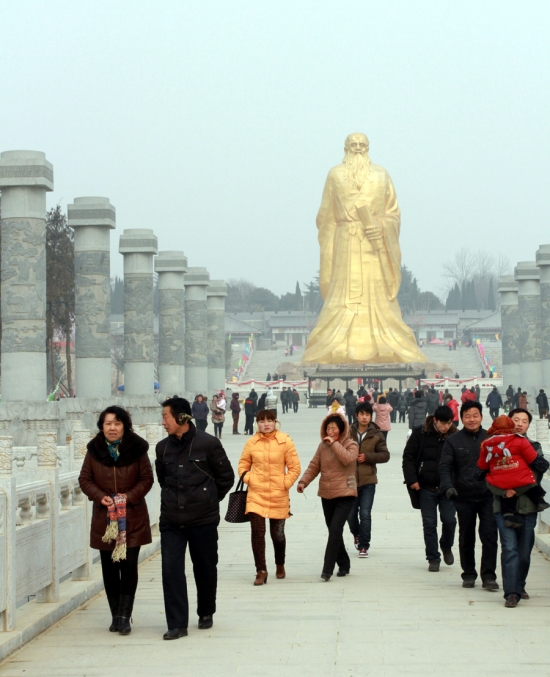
<point>526,270</point>
<point>91,211</point>
<point>216,288</point>
<point>197,277</point>
<point>171,262</point>
<point>25,168</point>
<point>138,241</point>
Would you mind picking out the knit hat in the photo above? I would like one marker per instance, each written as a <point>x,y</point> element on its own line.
<point>502,425</point>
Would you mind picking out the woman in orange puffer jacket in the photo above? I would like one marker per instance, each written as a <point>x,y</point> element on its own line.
<point>270,466</point>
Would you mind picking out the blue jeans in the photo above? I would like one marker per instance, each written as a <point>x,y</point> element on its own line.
<point>515,556</point>
<point>429,501</point>
<point>359,518</point>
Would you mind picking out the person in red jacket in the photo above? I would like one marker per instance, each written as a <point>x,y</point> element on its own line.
<point>506,457</point>
<point>468,395</point>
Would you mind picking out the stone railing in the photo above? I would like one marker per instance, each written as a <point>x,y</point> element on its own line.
<point>45,517</point>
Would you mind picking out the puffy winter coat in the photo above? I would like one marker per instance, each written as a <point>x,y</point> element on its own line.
<point>194,474</point>
<point>507,458</point>
<point>467,396</point>
<point>373,445</point>
<point>199,410</point>
<point>542,401</point>
<point>417,412</point>
<point>382,412</point>
<point>131,475</point>
<point>351,402</point>
<point>432,400</point>
<point>272,466</point>
<point>453,406</point>
<point>422,455</point>
<point>336,463</point>
<point>494,400</point>
<point>234,405</point>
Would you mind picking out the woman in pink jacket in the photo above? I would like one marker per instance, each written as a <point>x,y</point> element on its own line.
<point>382,410</point>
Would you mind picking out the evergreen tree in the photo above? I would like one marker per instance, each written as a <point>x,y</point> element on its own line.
<point>491,294</point>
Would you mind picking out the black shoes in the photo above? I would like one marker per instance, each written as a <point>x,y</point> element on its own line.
<point>434,565</point>
<point>448,556</point>
<point>511,601</point>
<point>326,577</point>
<point>342,572</point>
<point>490,585</point>
<point>205,622</point>
<point>524,594</point>
<point>113,604</point>
<point>176,633</point>
<point>468,583</point>
<point>126,605</point>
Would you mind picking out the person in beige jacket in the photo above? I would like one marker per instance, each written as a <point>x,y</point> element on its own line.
<point>335,460</point>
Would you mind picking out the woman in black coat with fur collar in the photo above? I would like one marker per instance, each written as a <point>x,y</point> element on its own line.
<point>117,464</point>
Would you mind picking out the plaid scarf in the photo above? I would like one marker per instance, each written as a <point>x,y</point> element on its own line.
<point>116,526</point>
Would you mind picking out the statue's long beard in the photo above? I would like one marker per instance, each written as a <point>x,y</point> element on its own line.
<point>356,168</point>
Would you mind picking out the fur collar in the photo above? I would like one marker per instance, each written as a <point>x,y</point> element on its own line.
<point>131,449</point>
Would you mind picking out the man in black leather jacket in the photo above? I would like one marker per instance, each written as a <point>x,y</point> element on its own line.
<point>460,481</point>
<point>194,474</point>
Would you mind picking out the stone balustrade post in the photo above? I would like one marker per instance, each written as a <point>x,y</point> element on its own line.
<point>138,246</point>
<point>215,302</point>
<point>92,219</point>
<point>508,291</point>
<point>543,436</point>
<point>8,567</point>
<point>543,263</point>
<point>196,331</point>
<point>25,176</point>
<point>79,442</point>
<point>47,470</point>
<point>171,267</point>
<point>526,275</point>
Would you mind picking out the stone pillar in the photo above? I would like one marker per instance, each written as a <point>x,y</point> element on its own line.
<point>138,245</point>
<point>543,263</point>
<point>508,290</point>
<point>46,452</point>
<point>171,267</point>
<point>25,176</point>
<point>196,332</point>
<point>92,219</point>
<point>215,302</point>
<point>526,274</point>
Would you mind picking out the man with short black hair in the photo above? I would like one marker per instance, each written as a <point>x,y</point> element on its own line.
<point>194,474</point>
<point>460,481</point>
<point>421,471</point>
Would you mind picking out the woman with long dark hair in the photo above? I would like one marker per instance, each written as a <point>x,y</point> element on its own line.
<point>117,475</point>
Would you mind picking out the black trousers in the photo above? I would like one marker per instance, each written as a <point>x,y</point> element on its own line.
<point>249,424</point>
<point>493,413</point>
<point>285,407</point>
<point>468,512</point>
<point>120,578</point>
<point>295,407</point>
<point>336,512</point>
<point>218,429</point>
<point>393,415</point>
<point>202,424</point>
<point>203,548</point>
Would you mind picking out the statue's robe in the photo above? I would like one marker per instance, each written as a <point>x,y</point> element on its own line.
<point>361,319</point>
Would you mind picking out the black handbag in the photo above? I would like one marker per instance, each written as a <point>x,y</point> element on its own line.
<point>237,504</point>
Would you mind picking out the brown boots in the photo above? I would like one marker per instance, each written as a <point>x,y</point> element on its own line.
<point>261,578</point>
<point>281,573</point>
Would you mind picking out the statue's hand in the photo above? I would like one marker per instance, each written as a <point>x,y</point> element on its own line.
<point>374,231</point>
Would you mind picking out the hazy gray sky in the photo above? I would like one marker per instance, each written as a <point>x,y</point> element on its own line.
<point>215,123</point>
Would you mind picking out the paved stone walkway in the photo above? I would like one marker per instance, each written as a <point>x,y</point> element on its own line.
<point>389,617</point>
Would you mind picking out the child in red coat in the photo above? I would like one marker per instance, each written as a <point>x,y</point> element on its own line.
<point>507,457</point>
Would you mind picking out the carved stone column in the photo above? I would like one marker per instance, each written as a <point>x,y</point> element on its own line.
<point>526,274</point>
<point>92,219</point>
<point>138,245</point>
<point>215,301</point>
<point>25,176</point>
<point>171,267</point>
<point>543,263</point>
<point>196,331</point>
<point>508,290</point>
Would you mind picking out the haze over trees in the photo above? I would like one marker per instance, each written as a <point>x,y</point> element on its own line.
<point>473,279</point>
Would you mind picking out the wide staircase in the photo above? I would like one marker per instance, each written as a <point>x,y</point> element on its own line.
<point>463,361</point>
<point>264,362</point>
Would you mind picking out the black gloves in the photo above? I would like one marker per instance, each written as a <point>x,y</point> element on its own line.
<point>451,493</point>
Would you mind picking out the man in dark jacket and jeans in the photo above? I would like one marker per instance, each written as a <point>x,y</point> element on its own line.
<point>194,474</point>
<point>473,500</point>
<point>421,471</point>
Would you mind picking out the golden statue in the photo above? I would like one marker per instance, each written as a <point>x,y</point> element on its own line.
<point>358,224</point>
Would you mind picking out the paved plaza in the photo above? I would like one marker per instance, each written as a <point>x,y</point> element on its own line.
<point>389,617</point>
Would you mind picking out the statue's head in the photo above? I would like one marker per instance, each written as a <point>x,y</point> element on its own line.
<point>356,143</point>
<point>356,159</point>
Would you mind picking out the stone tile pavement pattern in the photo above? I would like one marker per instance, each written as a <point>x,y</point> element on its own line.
<point>389,617</point>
